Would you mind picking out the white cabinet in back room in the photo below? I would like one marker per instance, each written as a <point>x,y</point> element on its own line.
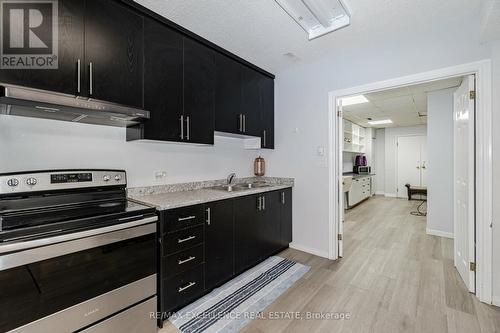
<point>361,189</point>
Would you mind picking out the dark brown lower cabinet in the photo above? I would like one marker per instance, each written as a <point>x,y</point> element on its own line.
<point>203,246</point>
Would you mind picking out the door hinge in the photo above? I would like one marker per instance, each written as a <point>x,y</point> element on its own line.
<point>339,113</point>
<point>472,94</point>
<point>472,266</point>
<point>339,237</point>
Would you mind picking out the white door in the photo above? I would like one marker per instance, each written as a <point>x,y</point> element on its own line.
<point>423,161</point>
<point>340,227</point>
<point>463,131</point>
<point>409,162</point>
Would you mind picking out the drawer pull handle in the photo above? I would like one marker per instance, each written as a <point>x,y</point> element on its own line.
<point>187,286</point>
<point>185,239</point>
<point>180,219</point>
<point>186,260</point>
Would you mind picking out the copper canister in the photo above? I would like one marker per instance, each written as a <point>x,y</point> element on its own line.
<point>259,166</point>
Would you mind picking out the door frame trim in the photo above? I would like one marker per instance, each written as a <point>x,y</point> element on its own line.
<point>483,162</point>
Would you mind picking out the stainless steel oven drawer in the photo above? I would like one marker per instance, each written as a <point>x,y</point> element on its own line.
<point>86,313</point>
<point>138,319</point>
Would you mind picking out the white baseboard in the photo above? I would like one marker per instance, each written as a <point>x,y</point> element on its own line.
<point>495,300</point>
<point>439,233</point>
<point>316,252</point>
<point>379,193</point>
<point>391,195</point>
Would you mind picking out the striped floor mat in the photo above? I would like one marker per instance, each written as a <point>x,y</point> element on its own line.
<point>233,305</point>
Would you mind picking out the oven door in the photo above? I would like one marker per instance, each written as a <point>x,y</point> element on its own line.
<point>76,280</point>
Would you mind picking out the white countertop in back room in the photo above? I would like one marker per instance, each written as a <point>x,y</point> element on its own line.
<point>165,197</point>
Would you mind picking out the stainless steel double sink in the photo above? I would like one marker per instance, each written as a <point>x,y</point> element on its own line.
<point>240,186</point>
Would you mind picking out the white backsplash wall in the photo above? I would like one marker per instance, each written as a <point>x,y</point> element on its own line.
<point>347,161</point>
<point>36,144</point>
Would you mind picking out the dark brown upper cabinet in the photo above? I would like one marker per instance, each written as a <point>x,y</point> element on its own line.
<point>163,84</point>
<point>113,53</point>
<point>199,92</point>
<point>228,115</point>
<point>65,78</point>
<point>266,86</point>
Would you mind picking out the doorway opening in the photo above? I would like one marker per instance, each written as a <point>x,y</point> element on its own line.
<point>410,158</point>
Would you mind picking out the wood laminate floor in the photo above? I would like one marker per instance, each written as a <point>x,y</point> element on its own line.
<point>393,278</point>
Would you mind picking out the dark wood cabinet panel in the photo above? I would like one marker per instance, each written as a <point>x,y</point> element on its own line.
<point>269,224</point>
<point>286,216</point>
<point>114,53</point>
<point>227,95</point>
<point>266,86</point>
<point>250,101</point>
<point>219,243</point>
<point>64,79</point>
<point>163,82</point>
<point>246,232</point>
<point>199,92</point>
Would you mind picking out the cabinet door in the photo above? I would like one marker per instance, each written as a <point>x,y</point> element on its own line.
<point>64,79</point>
<point>114,52</point>
<point>246,232</point>
<point>270,226</point>
<point>286,216</point>
<point>163,81</point>
<point>266,85</point>
<point>250,101</point>
<point>219,243</point>
<point>227,94</point>
<point>199,92</point>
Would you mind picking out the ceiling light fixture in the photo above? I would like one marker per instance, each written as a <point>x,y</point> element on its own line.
<point>358,99</point>
<point>317,17</point>
<point>380,122</point>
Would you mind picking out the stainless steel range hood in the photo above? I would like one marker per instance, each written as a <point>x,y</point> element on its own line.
<point>28,102</point>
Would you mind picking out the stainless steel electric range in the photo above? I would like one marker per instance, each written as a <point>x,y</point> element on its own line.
<point>75,254</point>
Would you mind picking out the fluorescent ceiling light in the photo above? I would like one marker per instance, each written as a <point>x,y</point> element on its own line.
<point>317,17</point>
<point>380,122</point>
<point>354,100</point>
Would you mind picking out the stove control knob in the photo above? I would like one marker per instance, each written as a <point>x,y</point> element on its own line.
<point>106,178</point>
<point>31,181</point>
<point>118,178</point>
<point>13,182</point>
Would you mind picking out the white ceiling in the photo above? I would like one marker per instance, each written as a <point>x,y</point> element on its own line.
<point>406,106</point>
<point>262,33</point>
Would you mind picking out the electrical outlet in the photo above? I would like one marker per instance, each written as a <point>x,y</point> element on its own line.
<point>160,175</point>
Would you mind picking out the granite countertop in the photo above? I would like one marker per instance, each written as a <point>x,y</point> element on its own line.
<point>355,175</point>
<point>164,197</point>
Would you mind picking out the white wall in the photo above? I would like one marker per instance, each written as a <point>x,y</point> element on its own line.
<point>379,163</point>
<point>440,156</point>
<point>302,110</point>
<point>32,144</point>
<point>391,138</point>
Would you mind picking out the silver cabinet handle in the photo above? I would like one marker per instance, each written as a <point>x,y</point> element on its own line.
<point>180,219</point>
<point>91,78</point>
<point>209,215</point>
<point>259,203</point>
<point>265,138</point>
<point>189,285</point>
<point>264,203</point>
<point>241,123</point>
<point>185,239</point>
<point>283,198</point>
<point>181,120</point>
<point>244,123</point>
<point>186,260</point>
<point>187,128</point>
<point>78,76</point>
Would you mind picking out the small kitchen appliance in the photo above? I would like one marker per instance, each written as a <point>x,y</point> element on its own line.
<point>362,169</point>
<point>360,160</point>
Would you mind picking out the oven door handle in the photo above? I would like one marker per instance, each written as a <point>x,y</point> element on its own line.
<point>41,249</point>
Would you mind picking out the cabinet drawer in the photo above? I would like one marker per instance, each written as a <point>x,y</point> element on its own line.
<point>183,239</point>
<point>181,289</point>
<point>184,217</point>
<point>182,261</point>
